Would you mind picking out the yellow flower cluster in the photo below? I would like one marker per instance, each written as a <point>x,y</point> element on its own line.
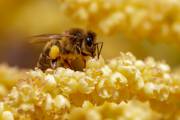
<point>102,91</point>
<point>134,110</point>
<point>8,78</point>
<point>135,19</point>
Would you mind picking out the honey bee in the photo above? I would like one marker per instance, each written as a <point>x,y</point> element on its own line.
<point>69,49</point>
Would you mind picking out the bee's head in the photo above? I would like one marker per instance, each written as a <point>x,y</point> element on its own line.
<point>89,44</point>
<point>85,42</point>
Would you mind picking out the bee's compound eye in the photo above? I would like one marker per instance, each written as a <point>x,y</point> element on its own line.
<point>54,52</point>
<point>89,41</point>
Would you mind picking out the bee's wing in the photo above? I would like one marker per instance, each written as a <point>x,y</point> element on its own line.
<point>46,37</point>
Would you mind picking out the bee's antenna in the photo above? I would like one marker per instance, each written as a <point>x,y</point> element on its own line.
<point>99,49</point>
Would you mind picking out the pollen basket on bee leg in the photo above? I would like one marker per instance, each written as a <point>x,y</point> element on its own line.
<point>54,52</point>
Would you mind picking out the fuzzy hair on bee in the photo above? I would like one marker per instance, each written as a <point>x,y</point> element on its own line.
<point>69,49</point>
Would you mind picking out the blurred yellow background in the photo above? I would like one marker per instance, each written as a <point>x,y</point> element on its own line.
<point>25,18</point>
<point>124,88</point>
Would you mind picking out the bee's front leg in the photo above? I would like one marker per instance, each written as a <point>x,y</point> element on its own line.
<point>76,50</point>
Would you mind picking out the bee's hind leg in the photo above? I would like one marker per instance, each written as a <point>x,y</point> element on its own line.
<point>54,63</point>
